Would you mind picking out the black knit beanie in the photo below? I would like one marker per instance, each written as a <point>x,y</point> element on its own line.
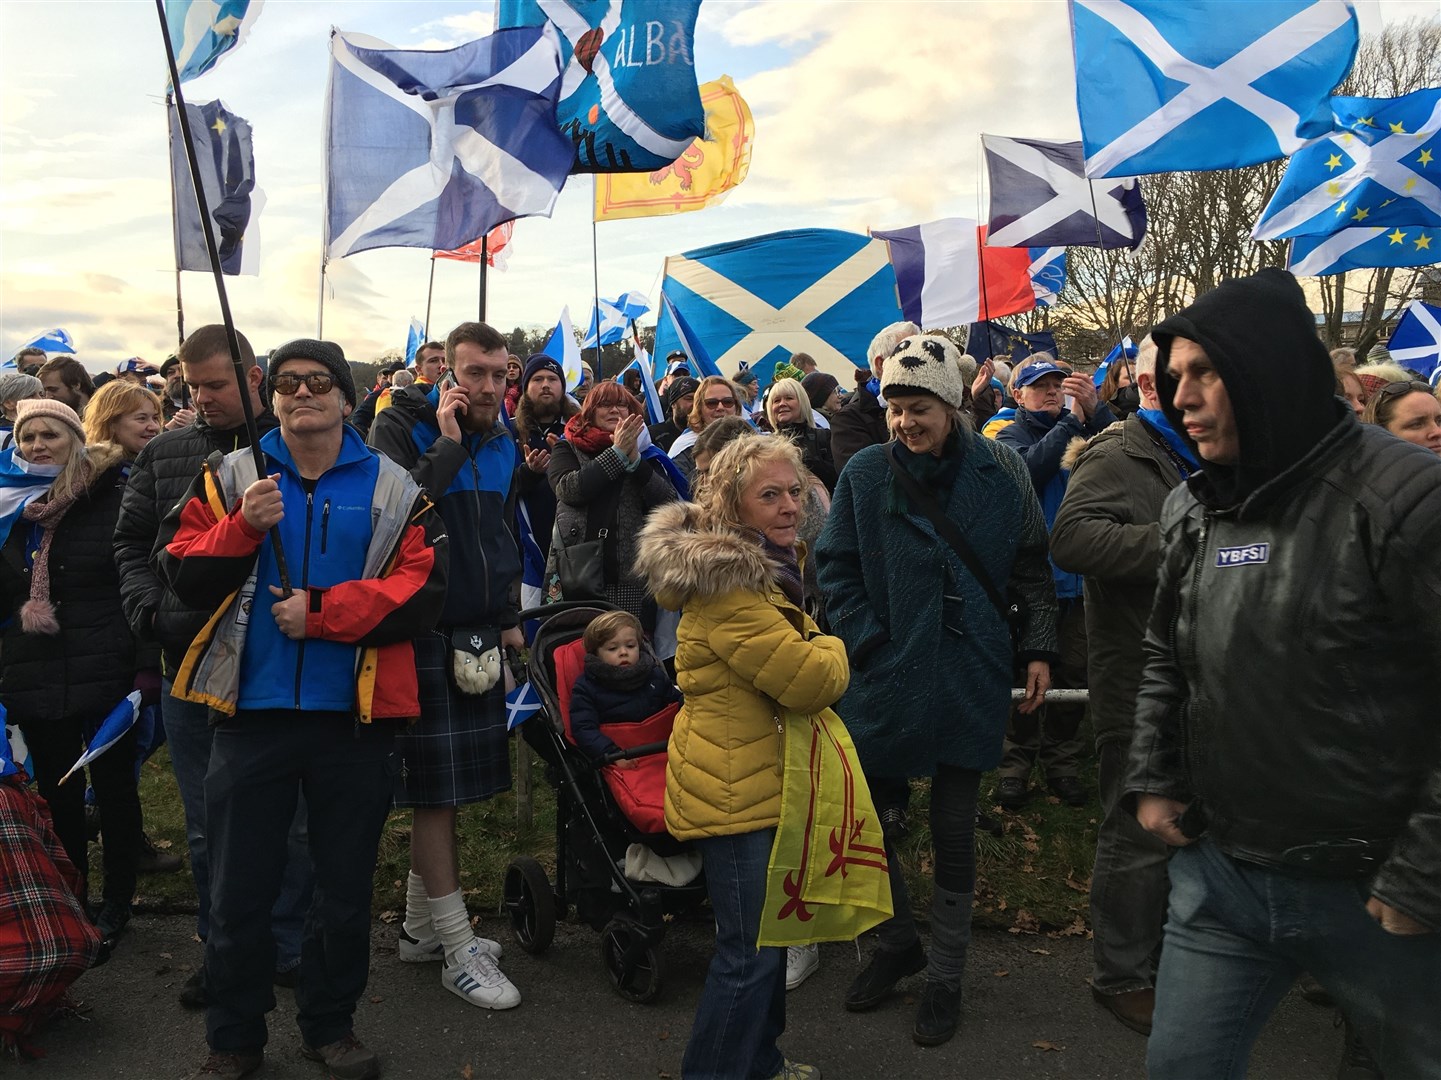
<point>323,352</point>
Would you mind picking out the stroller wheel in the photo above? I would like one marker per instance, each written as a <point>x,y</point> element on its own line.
<point>530,902</point>
<point>636,967</point>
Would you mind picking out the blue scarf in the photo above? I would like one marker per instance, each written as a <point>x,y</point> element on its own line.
<point>1158,421</point>
<point>669,467</point>
<point>20,484</point>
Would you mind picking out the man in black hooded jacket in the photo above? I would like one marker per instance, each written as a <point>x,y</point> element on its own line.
<point>1286,738</point>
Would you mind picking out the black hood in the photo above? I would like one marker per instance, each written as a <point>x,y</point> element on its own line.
<point>1261,337</point>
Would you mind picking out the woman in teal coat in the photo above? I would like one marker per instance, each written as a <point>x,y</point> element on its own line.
<point>931,657</point>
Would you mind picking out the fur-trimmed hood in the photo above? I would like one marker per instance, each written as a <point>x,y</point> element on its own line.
<point>1073,451</point>
<point>103,456</point>
<point>682,556</point>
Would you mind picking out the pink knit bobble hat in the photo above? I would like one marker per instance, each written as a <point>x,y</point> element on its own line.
<point>31,408</point>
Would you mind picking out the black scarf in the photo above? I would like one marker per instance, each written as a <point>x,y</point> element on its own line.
<point>788,569</point>
<point>613,677</point>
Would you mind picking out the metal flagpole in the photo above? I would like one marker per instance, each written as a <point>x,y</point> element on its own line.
<point>983,309</point>
<point>175,222</point>
<point>484,263</point>
<point>208,230</point>
<point>595,272</point>
<point>429,293</point>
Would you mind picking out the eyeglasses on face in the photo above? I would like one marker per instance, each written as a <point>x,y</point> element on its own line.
<point>720,403</point>
<point>317,382</point>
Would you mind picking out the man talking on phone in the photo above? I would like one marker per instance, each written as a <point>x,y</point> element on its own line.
<point>451,438</point>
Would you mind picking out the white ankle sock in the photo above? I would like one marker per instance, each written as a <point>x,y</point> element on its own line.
<point>451,922</point>
<point>417,907</point>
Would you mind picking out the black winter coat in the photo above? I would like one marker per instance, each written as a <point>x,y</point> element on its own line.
<point>861,423</point>
<point>815,446</point>
<point>84,671</point>
<point>593,703</point>
<point>159,480</point>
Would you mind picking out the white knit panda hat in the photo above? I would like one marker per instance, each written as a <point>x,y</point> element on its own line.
<point>924,364</point>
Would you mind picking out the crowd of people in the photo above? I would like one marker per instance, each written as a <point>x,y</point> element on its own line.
<point>1233,541</point>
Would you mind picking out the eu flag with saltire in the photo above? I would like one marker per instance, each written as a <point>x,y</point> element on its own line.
<point>108,732</point>
<point>1362,248</point>
<point>225,152</point>
<point>203,31</point>
<point>1163,86</point>
<point>1415,344</point>
<point>613,316</point>
<point>561,346</point>
<point>819,291</point>
<point>434,149</point>
<point>1381,166</point>
<point>827,879</point>
<point>629,101</point>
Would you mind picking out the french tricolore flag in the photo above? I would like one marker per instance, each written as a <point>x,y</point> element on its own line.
<point>947,277</point>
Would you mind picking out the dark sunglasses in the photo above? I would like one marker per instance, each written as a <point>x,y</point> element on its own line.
<point>720,403</point>
<point>1400,389</point>
<point>317,382</point>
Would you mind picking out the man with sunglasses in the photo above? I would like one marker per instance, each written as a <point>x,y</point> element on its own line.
<point>310,685</point>
<point>1286,743</point>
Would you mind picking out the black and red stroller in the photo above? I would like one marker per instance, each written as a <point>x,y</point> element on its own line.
<point>600,812</point>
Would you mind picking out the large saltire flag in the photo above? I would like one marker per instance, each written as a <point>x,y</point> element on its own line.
<point>947,275</point>
<point>1040,197</point>
<point>1363,248</point>
<point>700,177</point>
<point>203,31</point>
<point>226,156</point>
<point>758,300</point>
<point>828,877</point>
<point>1380,167</point>
<point>629,101</point>
<point>434,149</point>
<point>1163,86</point>
<point>496,244</point>
<point>1415,344</point>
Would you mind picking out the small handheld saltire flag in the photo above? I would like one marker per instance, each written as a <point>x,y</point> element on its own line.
<point>1048,274</point>
<point>121,719</point>
<point>521,704</point>
<point>561,346</point>
<point>1205,84</point>
<point>655,411</point>
<point>1126,348</point>
<point>827,879</point>
<point>614,316</point>
<point>1360,248</point>
<point>699,359</point>
<point>1381,167</point>
<point>433,149</point>
<point>629,101</point>
<point>1040,197</point>
<point>414,339</point>
<point>496,244</point>
<point>940,276</point>
<point>532,560</point>
<point>700,177</point>
<point>203,31</point>
<point>225,153</point>
<point>1415,344</point>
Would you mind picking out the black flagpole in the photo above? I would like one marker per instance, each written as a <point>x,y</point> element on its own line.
<point>175,230</point>
<point>484,259</point>
<point>251,431</point>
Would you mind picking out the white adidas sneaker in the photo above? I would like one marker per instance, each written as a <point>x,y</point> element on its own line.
<point>424,950</point>
<point>476,978</point>
<point>802,961</point>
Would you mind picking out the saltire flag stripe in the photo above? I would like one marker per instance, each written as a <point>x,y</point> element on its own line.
<point>505,84</point>
<point>946,275</point>
<point>700,360</point>
<point>653,407</point>
<point>202,32</point>
<point>56,340</point>
<point>1360,248</point>
<point>1415,343</point>
<point>1379,187</point>
<point>1133,120</point>
<point>1040,197</point>
<point>120,720</point>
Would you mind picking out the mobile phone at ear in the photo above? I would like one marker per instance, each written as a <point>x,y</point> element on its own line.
<point>447,380</point>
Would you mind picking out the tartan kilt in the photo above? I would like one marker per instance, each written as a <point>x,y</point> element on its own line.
<point>458,752</point>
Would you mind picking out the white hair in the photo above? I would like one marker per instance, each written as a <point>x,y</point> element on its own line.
<point>803,401</point>
<point>1146,357</point>
<point>401,379</point>
<point>884,343</point>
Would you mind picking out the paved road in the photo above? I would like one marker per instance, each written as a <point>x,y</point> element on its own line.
<point>573,1025</point>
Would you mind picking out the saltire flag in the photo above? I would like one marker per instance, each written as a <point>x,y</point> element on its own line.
<point>521,704</point>
<point>434,149</point>
<point>1207,84</point>
<point>203,31</point>
<point>1126,348</point>
<point>689,342</point>
<point>51,341</point>
<point>1040,197</point>
<point>1048,274</point>
<point>996,340</point>
<point>629,102</point>
<point>414,339</point>
<point>943,267</point>
<point>496,243</point>
<point>1361,248</point>
<point>699,177</point>
<point>561,346</point>
<point>820,291</point>
<point>614,316</point>
<point>1415,344</point>
<point>226,156</point>
<point>655,411</point>
<point>1381,167</point>
<point>532,560</point>
<point>120,720</point>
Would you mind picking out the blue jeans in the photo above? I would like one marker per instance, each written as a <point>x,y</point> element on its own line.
<point>189,734</point>
<point>742,1009</point>
<point>1237,935</point>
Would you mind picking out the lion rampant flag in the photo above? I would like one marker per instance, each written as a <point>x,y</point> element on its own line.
<point>701,176</point>
<point>828,878</point>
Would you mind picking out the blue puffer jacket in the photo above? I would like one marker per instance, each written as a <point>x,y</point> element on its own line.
<point>1041,440</point>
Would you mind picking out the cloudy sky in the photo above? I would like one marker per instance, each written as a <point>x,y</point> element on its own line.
<point>867,114</point>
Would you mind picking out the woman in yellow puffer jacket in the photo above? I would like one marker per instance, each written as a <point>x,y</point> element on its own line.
<point>745,651</point>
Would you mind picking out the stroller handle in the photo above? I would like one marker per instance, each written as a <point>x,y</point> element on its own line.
<point>644,750</point>
<point>547,610</point>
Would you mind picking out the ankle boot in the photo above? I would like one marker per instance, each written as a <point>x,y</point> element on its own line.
<point>940,1007</point>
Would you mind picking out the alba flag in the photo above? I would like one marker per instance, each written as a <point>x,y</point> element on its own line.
<point>700,177</point>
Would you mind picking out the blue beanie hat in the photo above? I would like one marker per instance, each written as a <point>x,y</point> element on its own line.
<point>537,362</point>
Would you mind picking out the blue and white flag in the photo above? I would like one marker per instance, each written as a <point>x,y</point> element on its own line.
<point>1126,348</point>
<point>1415,344</point>
<point>14,754</point>
<point>52,341</point>
<point>1206,84</point>
<point>1362,248</point>
<point>697,357</point>
<point>629,102</point>
<point>562,346</point>
<point>414,339</point>
<point>532,560</point>
<point>1048,274</point>
<point>203,31</point>
<point>1382,166</point>
<point>758,300</point>
<point>614,316</point>
<point>655,410</point>
<point>225,153</point>
<point>521,704</point>
<point>435,149</point>
<point>121,719</point>
<point>1040,197</point>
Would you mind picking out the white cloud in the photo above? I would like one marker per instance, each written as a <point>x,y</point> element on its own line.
<point>452,30</point>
